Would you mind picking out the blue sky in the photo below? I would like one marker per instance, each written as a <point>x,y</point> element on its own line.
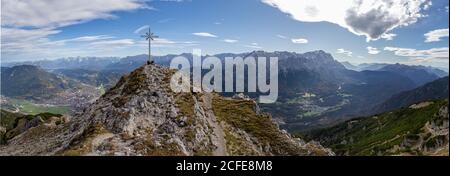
<point>394,32</point>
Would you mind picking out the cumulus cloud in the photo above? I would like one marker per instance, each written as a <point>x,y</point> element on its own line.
<point>299,41</point>
<point>372,50</point>
<point>436,35</point>
<point>345,52</point>
<point>204,34</point>
<point>430,54</point>
<point>373,19</point>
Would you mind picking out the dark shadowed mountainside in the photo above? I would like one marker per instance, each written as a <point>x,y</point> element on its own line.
<point>31,82</point>
<point>435,90</point>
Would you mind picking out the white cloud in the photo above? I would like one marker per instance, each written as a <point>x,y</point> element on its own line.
<point>34,44</point>
<point>204,34</point>
<point>21,41</point>
<point>436,35</point>
<point>166,43</point>
<point>430,54</point>
<point>42,13</point>
<point>123,43</point>
<point>299,41</point>
<point>345,52</point>
<point>427,5</point>
<point>372,50</point>
<point>113,43</point>
<point>230,41</point>
<point>253,45</point>
<point>373,19</point>
<point>281,36</point>
<point>435,56</point>
<point>91,38</point>
<point>21,44</point>
<point>27,24</point>
<point>81,39</point>
<point>140,29</point>
<point>388,36</point>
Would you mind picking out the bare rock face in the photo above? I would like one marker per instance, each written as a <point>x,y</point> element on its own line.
<point>142,116</point>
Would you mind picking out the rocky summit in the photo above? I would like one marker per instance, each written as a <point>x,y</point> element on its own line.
<point>141,116</point>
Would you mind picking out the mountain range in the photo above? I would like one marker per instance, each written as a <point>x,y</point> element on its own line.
<point>417,74</point>
<point>440,72</point>
<point>315,90</point>
<point>391,110</point>
<point>92,63</point>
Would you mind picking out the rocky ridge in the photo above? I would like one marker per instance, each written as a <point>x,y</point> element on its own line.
<point>140,115</point>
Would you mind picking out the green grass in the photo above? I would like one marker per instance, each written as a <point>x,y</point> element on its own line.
<point>102,89</point>
<point>83,145</point>
<point>10,121</point>
<point>240,114</point>
<point>310,114</point>
<point>28,107</point>
<point>376,135</point>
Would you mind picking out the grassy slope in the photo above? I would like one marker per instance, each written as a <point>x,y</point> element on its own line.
<point>378,134</point>
<point>10,120</point>
<point>241,115</point>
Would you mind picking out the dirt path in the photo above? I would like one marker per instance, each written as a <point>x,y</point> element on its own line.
<point>219,136</point>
